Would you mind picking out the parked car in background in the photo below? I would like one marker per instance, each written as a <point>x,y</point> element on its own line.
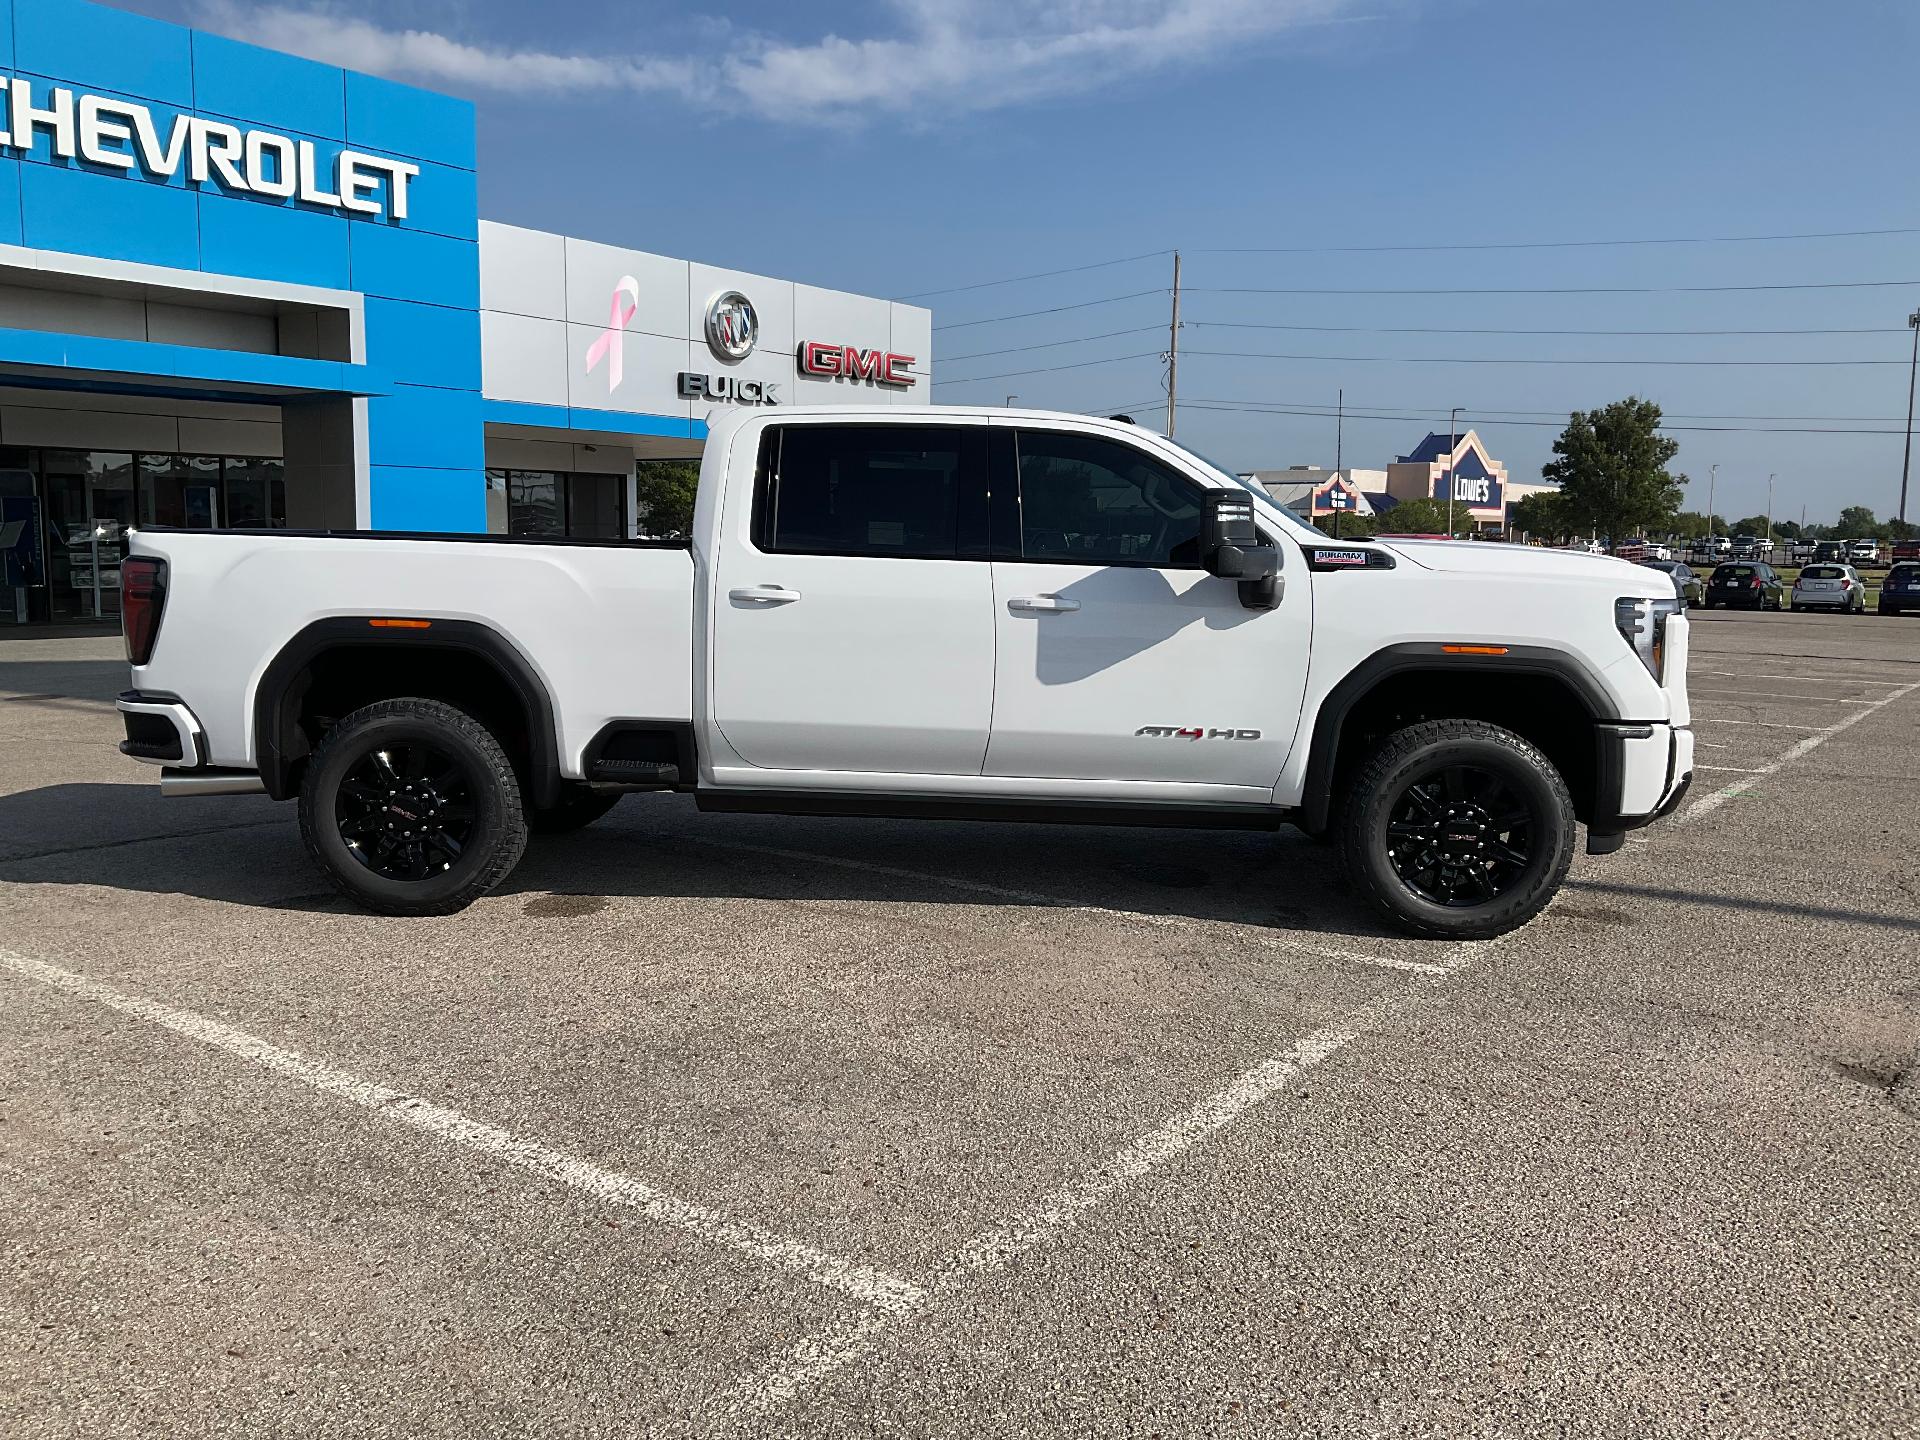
<point>1749,547</point>
<point>1715,544</point>
<point>1746,585</point>
<point>1905,550</point>
<point>1687,584</point>
<point>1832,552</point>
<point>1799,552</point>
<point>1900,591</point>
<point>1863,552</point>
<point>1830,587</point>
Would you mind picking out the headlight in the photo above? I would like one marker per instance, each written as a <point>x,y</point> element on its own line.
<point>1643,625</point>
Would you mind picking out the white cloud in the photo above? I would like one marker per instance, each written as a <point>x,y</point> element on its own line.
<point>942,56</point>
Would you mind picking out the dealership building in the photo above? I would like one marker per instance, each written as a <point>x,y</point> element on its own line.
<point>241,288</point>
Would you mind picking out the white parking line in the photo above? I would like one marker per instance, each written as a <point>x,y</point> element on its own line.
<point>1776,695</point>
<point>1729,769</point>
<point>1707,804</point>
<point>1808,675</point>
<point>1767,724</point>
<point>1057,902</point>
<point>885,1293</point>
<point>818,1356</point>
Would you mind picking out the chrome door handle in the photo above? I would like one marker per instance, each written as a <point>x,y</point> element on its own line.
<point>1042,604</point>
<point>764,595</point>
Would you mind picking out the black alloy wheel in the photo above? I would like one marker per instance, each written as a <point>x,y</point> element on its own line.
<point>406,811</point>
<point>1460,836</point>
<point>1456,829</point>
<point>412,807</point>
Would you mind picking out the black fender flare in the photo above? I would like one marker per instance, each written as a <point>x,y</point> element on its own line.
<point>275,702</point>
<point>1316,800</point>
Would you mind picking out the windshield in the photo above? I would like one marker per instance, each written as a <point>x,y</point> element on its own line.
<point>1258,491</point>
<point>1823,572</point>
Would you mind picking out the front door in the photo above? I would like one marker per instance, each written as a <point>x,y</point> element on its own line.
<point>1119,657</point>
<point>853,604</point>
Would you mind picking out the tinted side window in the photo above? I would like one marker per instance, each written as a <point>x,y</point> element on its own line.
<point>894,490</point>
<point>1089,500</point>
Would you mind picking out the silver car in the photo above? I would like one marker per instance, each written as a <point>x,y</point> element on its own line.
<point>1830,587</point>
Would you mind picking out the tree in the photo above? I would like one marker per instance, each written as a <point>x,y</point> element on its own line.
<point>1422,517</point>
<point>1857,523</point>
<point>1752,525</point>
<point>1542,515</point>
<point>665,491</point>
<point>1612,469</point>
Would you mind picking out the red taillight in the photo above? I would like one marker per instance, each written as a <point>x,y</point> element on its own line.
<point>143,595</point>
<point>1756,582</point>
<point>1846,584</point>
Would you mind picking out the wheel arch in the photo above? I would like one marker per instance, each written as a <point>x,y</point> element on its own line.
<point>459,661</point>
<point>1567,706</point>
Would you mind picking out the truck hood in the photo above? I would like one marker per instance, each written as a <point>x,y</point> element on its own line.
<point>1479,557</point>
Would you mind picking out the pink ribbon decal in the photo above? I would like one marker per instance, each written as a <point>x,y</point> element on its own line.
<point>611,346</point>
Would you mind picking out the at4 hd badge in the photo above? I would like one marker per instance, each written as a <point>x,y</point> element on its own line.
<point>1194,732</point>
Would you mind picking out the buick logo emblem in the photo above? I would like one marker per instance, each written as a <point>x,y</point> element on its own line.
<point>732,325</point>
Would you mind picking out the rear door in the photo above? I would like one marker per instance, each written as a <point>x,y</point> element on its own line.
<point>1119,657</point>
<point>853,604</point>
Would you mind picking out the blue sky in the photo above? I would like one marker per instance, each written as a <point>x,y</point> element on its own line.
<point>903,146</point>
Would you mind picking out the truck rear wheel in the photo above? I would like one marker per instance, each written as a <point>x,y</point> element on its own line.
<point>411,807</point>
<point>1457,830</point>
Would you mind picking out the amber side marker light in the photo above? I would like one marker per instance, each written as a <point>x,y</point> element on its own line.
<point>1473,649</point>
<point>401,624</point>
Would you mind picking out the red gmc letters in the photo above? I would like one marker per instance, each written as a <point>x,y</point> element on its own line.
<point>878,367</point>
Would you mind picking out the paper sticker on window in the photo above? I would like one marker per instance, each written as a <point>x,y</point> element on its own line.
<point>887,532</point>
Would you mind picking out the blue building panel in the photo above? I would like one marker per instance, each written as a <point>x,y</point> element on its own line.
<point>450,500</point>
<point>271,89</point>
<point>6,33</point>
<point>273,242</point>
<point>99,47</point>
<point>444,200</point>
<point>110,216</point>
<point>420,426</point>
<point>409,265</point>
<point>403,120</point>
<point>10,203</point>
<point>425,344</point>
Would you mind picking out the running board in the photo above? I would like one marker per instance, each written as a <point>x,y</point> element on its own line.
<point>950,807</point>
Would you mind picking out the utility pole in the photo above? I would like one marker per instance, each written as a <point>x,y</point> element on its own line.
<point>1769,515</point>
<point>1453,444</point>
<point>1173,348</point>
<point>1339,429</point>
<point>1713,478</point>
<point>1906,456</point>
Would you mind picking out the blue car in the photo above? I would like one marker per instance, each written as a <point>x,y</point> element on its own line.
<point>1900,591</point>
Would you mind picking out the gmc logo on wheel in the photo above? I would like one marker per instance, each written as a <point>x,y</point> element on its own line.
<point>848,362</point>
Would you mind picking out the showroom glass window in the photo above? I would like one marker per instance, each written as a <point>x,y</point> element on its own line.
<point>1088,500</point>
<point>556,503</point>
<point>904,491</point>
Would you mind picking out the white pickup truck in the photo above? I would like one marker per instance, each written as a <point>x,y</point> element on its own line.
<point>951,613</point>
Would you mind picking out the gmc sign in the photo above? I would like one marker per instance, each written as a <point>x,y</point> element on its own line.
<point>876,367</point>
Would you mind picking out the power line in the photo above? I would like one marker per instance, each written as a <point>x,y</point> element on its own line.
<point>1265,409</point>
<point>1037,275</point>
<point>1478,330</point>
<point>1560,360</point>
<point>1050,310</point>
<point>1051,344</point>
<point>1558,289</point>
<point>1546,244</point>
<point>1418,411</point>
<point>1052,369</point>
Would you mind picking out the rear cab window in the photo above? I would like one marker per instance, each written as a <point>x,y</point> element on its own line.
<point>914,492</point>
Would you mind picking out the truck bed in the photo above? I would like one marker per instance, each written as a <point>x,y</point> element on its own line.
<point>607,625</point>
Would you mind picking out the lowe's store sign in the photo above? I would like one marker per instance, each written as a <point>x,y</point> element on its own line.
<point>126,135</point>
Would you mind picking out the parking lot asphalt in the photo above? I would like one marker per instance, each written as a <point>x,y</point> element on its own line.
<point>724,1125</point>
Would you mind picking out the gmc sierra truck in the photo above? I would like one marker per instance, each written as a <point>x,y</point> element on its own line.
<point>1005,615</point>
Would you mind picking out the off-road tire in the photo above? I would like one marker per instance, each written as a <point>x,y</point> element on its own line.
<point>579,807</point>
<point>499,826</point>
<point>1396,765</point>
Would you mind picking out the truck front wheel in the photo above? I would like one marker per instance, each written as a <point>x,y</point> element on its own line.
<point>1457,830</point>
<point>412,808</point>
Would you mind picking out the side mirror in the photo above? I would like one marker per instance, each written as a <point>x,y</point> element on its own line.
<point>1231,548</point>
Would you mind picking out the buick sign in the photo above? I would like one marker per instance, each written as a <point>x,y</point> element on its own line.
<point>733,325</point>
